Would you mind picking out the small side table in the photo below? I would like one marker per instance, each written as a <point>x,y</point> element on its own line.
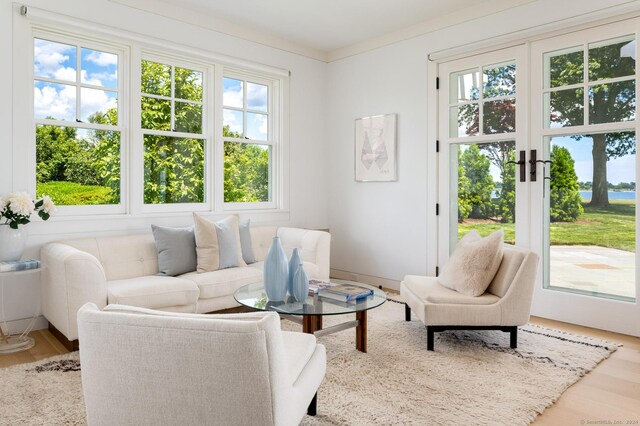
<point>16,342</point>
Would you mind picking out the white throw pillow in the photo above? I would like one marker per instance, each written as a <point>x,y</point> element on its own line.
<point>217,243</point>
<point>473,263</point>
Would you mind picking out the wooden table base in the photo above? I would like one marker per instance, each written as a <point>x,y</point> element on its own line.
<point>311,324</point>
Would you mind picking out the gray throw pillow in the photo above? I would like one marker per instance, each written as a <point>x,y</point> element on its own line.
<point>245,242</point>
<point>176,250</point>
<point>228,245</point>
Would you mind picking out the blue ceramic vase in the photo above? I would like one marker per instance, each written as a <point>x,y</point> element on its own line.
<point>276,272</point>
<point>294,263</point>
<point>300,284</point>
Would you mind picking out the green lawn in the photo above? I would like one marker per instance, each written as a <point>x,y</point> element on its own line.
<point>74,194</point>
<point>613,227</point>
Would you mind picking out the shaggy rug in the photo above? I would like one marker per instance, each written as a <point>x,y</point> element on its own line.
<point>471,378</point>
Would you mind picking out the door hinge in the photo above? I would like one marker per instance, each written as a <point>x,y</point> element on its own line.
<point>437,271</point>
<point>437,209</point>
<point>437,146</point>
<point>437,83</point>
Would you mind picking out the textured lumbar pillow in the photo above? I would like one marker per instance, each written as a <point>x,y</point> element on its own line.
<point>245,242</point>
<point>176,250</point>
<point>473,263</point>
<point>217,243</point>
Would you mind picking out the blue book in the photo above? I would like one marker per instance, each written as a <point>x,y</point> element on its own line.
<point>19,265</point>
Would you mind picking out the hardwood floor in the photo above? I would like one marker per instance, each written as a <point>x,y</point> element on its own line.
<point>611,392</point>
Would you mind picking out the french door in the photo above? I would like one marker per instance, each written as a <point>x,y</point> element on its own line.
<point>540,141</point>
<point>482,133</point>
<point>584,121</point>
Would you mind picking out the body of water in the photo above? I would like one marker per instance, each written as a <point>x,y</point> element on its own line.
<point>613,195</point>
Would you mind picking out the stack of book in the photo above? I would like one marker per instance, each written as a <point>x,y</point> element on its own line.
<point>315,286</point>
<point>19,265</point>
<point>345,292</point>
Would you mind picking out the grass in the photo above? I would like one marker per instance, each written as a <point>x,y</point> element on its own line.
<point>75,194</point>
<point>613,226</point>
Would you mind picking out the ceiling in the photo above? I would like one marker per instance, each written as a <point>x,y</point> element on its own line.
<point>324,28</point>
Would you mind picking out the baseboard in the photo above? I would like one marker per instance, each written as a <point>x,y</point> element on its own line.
<point>366,279</point>
<point>18,326</point>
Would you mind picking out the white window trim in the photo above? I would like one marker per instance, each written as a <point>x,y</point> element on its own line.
<point>28,130</point>
<point>137,148</point>
<point>278,167</point>
<point>23,154</point>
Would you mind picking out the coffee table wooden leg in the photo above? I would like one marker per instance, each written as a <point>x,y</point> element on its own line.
<point>361,331</point>
<point>311,323</point>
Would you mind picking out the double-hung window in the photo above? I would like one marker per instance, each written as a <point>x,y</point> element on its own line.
<point>250,136</point>
<point>173,128</point>
<point>77,93</point>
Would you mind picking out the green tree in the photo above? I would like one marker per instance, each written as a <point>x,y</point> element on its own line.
<point>507,193</point>
<point>475,167</point>
<point>611,102</point>
<point>565,199</point>
<point>246,170</point>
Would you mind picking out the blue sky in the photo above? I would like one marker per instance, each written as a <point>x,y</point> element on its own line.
<point>621,169</point>
<point>257,101</point>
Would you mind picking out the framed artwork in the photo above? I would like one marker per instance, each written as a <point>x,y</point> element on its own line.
<point>375,149</point>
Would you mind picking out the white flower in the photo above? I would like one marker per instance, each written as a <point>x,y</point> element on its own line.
<point>48,206</point>
<point>20,203</point>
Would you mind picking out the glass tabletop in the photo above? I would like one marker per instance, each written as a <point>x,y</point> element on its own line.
<point>254,296</point>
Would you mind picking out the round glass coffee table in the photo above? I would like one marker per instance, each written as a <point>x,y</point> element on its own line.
<point>310,312</point>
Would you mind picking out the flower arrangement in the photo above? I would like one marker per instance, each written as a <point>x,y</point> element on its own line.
<point>17,208</point>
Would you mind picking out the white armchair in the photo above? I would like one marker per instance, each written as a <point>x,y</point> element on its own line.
<point>145,367</point>
<point>505,305</point>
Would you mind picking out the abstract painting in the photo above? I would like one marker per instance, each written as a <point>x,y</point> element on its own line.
<point>375,154</point>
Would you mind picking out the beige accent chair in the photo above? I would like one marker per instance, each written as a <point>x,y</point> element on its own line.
<point>145,367</point>
<point>504,306</point>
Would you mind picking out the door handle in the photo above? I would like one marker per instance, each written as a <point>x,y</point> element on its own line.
<point>522,163</point>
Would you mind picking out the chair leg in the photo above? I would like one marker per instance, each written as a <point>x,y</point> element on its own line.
<point>514,337</point>
<point>407,312</point>
<point>430,338</point>
<point>313,406</point>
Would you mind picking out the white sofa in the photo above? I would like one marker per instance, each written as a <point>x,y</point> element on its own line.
<point>143,367</point>
<point>122,270</point>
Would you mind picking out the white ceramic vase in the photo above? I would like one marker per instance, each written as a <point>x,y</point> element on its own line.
<point>12,242</point>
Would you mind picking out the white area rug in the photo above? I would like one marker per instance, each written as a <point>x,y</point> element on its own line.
<point>471,378</point>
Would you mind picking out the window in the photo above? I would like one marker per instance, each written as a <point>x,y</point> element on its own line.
<point>249,137</point>
<point>483,108</point>
<point>76,91</point>
<point>172,110</point>
<point>121,128</point>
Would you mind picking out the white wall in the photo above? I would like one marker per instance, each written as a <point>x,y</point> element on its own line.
<point>308,186</point>
<point>381,229</point>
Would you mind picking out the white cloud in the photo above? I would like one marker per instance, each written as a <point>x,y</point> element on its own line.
<point>90,78</point>
<point>93,100</point>
<point>257,96</point>
<point>55,101</point>
<point>102,58</point>
<point>49,57</point>
<point>65,73</point>
<point>232,98</point>
<point>233,119</point>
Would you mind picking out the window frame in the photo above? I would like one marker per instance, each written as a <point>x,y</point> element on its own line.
<point>79,41</point>
<point>138,132</point>
<point>274,136</point>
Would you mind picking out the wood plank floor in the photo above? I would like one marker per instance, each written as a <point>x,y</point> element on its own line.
<point>611,392</point>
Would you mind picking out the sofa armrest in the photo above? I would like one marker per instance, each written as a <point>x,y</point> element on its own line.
<point>71,278</point>
<point>314,246</point>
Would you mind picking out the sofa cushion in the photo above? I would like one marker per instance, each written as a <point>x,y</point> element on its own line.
<point>176,249</point>
<point>217,243</point>
<point>224,281</point>
<point>428,289</point>
<point>153,292</point>
<point>299,348</point>
<point>473,263</point>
